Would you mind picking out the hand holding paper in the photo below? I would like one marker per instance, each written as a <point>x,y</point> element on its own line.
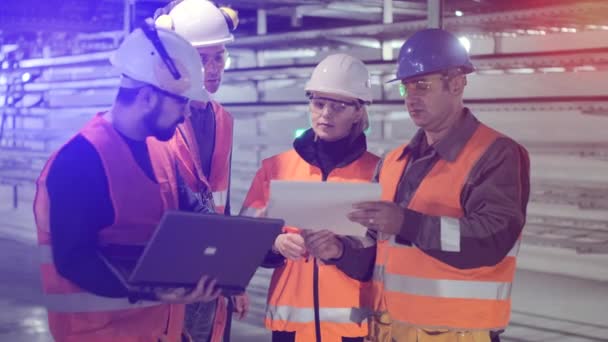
<point>323,244</point>
<point>290,245</point>
<point>383,216</point>
<point>325,205</point>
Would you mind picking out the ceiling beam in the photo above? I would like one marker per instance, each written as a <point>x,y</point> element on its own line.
<point>403,29</point>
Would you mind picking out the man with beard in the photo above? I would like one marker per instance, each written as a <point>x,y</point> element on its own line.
<point>104,191</point>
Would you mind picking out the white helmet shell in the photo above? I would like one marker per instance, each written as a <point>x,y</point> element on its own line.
<point>342,74</point>
<point>199,21</point>
<point>138,59</point>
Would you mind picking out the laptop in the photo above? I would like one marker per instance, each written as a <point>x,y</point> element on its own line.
<point>187,245</point>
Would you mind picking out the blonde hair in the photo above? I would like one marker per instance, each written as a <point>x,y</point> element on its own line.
<point>360,126</point>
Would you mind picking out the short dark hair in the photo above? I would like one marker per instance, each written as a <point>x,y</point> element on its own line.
<point>126,96</point>
<point>449,74</point>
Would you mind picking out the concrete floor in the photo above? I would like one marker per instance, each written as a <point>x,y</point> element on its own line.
<point>546,307</point>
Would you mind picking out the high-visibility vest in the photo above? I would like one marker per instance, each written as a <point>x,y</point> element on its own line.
<point>419,290</point>
<point>290,297</point>
<point>190,166</point>
<point>76,315</point>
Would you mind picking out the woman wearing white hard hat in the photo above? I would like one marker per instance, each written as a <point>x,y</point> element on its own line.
<point>204,142</point>
<point>308,299</point>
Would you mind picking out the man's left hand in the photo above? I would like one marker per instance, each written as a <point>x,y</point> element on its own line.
<point>241,305</point>
<point>383,216</point>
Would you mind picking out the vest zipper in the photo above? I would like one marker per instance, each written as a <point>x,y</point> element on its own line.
<point>315,284</point>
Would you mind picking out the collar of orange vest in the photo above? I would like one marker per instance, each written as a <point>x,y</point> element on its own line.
<point>450,146</point>
<point>340,153</point>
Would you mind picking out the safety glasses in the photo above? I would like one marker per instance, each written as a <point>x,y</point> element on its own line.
<point>318,104</point>
<point>420,87</point>
<point>182,100</point>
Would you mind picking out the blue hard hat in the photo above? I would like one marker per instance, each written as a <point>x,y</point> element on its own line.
<point>430,51</point>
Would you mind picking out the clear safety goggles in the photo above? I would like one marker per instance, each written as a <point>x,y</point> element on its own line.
<point>318,104</point>
<point>424,85</point>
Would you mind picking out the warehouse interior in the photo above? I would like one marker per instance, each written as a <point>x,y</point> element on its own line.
<point>541,77</point>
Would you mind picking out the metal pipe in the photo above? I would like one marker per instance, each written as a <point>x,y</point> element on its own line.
<point>435,13</point>
<point>262,28</point>
<point>387,18</point>
<point>126,18</point>
<point>595,56</point>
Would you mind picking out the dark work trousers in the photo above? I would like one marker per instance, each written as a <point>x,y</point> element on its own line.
<point>199,320</point>
<point>290,336</point>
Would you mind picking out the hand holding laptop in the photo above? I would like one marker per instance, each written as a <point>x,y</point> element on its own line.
<point>205,291</point>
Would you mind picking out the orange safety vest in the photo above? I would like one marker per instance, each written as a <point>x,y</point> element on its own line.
<point>75,315</point>
<point>290,296</point>
<point>419,290</point>
<point>190,166</point>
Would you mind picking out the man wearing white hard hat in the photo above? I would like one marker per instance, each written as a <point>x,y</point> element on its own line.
<point>104,190</point>
<point>203,143</point>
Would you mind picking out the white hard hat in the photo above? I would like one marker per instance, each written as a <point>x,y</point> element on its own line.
<point>199,21</point>
<point>341,74</point>
<point>139,59</point>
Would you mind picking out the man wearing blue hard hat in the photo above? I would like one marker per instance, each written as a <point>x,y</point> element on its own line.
<point>442,244</point>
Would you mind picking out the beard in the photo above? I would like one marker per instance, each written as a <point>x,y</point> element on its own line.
<point>161,133</point>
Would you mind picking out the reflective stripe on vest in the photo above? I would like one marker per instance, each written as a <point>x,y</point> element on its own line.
<point>380,276</point>
<point>442,287</point>
<point>219,198</point>
<point>307,315</point>
<point>253,212</point>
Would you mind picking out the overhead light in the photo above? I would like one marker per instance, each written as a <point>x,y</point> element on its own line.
<point>490,72</point>
<point>584,68</point>
<point>26,77</point>
<point>521,71</point>
<point>458,13</point>
<point>552,69</point>
<point>397,43</point>
<point>465,42</point>
<point>536,32</point>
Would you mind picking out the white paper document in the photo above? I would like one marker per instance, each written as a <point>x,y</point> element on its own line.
<point>320,205</point>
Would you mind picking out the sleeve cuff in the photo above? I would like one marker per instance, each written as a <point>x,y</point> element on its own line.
<point>412,222</point>
<point>273,260</point>
<point>136,296</point>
